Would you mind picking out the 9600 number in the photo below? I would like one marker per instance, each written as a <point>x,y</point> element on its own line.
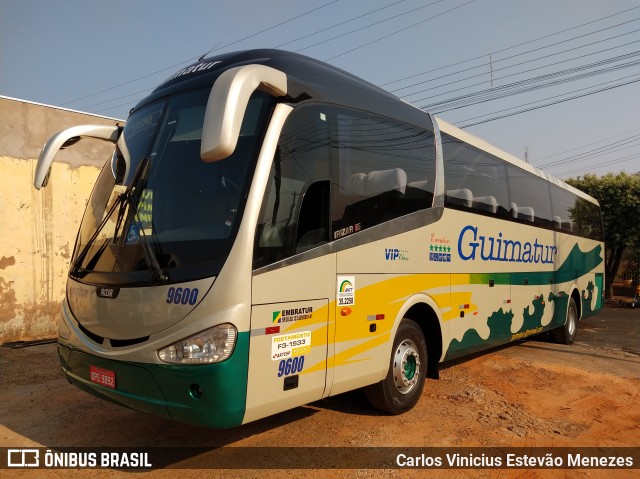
<point>290,366</point>
<point>182,296</point>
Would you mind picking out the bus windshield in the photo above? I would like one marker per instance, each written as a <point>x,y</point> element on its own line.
<point>158,212</point>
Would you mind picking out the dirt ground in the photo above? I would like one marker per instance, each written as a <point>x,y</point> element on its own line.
<point>530,394</point>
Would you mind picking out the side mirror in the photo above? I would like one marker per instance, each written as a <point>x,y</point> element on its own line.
<point>227,106</point>
<point>66,138</point>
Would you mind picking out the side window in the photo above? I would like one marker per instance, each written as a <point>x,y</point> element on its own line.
<point>383,169</point>
<point>530,197</point>
<point>337,172</point>
<point>474,179</point>
<point>295,209</point>
<point>588,219</point>
<point>563,203</point>
<point>480,182</point>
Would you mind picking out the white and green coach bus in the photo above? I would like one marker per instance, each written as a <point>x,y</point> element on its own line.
<point>271,231</point>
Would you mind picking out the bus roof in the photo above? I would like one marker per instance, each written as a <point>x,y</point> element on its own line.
<point>308,79</point>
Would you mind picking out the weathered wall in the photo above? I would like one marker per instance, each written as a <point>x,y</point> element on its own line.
<point>38,227</point>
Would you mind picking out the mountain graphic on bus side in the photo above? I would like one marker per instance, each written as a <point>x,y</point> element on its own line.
<point>499,322</point>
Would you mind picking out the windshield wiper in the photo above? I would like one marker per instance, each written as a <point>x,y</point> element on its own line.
<point>76,266</point>
<point>121,202</point>
<point>132,199</point>
<point>149,256</point>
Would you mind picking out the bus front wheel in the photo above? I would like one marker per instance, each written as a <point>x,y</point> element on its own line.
<point>401,389</point>
<point>567,334</point>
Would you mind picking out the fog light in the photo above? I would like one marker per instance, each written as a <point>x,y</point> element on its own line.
<point>196,391</point>
<point>212,345</point>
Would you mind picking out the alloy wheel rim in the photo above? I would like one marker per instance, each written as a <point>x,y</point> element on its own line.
<point>406,366</point>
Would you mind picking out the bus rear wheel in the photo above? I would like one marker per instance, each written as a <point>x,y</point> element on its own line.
<point>567,334</point>
<point>402,387</point>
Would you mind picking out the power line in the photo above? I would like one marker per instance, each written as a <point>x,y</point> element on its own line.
<point>275,26</point>
<point>339,24</point>
<point>192,59</point>
<point>399,31</point>
<point>588,144</point>
<point>135,93</point>
<point>252,35</point>
<point>548,98</point>
<point>511,47</point>
<point>508,76</point>
<point>370,25</point>
<point>535,83</point>
<point>527,61</point>
<point>608,148</point>
<point>130,81</point>
<point>574,97</point>
<point>624,159</point>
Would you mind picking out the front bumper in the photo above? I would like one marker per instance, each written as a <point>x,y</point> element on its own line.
<point>211,395</point>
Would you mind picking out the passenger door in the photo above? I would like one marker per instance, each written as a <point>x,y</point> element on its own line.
<point>289,337</point>
<point>294,275</point>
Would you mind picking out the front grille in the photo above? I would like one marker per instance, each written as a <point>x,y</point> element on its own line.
<point>115,343</point>
<point>93,337</point>
<point>120,343</point>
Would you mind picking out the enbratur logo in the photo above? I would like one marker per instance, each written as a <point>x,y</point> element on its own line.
<point>291,315</point>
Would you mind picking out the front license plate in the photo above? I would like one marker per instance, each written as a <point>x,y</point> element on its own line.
<point>101,376</point>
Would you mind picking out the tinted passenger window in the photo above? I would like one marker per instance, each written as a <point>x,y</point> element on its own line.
<point>295,209</point>
<point>480,182</point>
<point>384,169</point>
<point>530,197</point>
<point>573,214</point>
<point>338,172</point>
<point>564,211</point>
<point>474,179</point>
<point>588,220</point>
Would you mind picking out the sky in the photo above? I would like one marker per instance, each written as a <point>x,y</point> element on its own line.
<point>555,82</point>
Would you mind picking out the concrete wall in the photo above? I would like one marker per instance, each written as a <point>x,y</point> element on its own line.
<point>38,227</point>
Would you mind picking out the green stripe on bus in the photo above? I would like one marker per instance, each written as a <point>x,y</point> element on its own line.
<point>577,264</point>
<point>211,395</point>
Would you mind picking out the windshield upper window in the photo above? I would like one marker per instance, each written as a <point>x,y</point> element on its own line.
<point>167,202</point>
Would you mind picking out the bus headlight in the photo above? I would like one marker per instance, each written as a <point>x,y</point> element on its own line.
<point>209,346</point>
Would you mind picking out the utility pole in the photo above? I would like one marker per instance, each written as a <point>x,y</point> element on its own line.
<point>526,153</point>
<point>491,69</point>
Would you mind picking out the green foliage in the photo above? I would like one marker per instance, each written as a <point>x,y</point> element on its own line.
<point>619,198</point>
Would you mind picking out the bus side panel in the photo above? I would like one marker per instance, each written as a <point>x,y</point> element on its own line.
<point>533,272</point>
<point>365,329</point>
<point>386,275</point>
<point>581,269</point>
<point>288,360</point>
<point>291,332</point>
<point>481,312</point>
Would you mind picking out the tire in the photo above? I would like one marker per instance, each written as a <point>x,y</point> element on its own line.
<point>567,334</point>
<point>401,389</point>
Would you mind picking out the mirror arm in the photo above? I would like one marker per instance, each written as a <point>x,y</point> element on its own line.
<point>228,103</point>
<point>67,138</point>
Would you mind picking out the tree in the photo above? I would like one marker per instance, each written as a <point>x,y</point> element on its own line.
<point>619,198</point>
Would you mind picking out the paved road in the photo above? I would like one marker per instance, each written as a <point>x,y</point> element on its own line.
<point>612,328</point>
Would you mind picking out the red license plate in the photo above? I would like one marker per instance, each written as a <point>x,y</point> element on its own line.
<point>104,377</point>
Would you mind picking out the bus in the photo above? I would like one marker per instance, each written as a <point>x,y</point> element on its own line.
<point>271,230</point>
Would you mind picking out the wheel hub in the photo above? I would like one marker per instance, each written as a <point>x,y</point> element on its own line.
<point>571,321</point>
<point>406,366</point>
